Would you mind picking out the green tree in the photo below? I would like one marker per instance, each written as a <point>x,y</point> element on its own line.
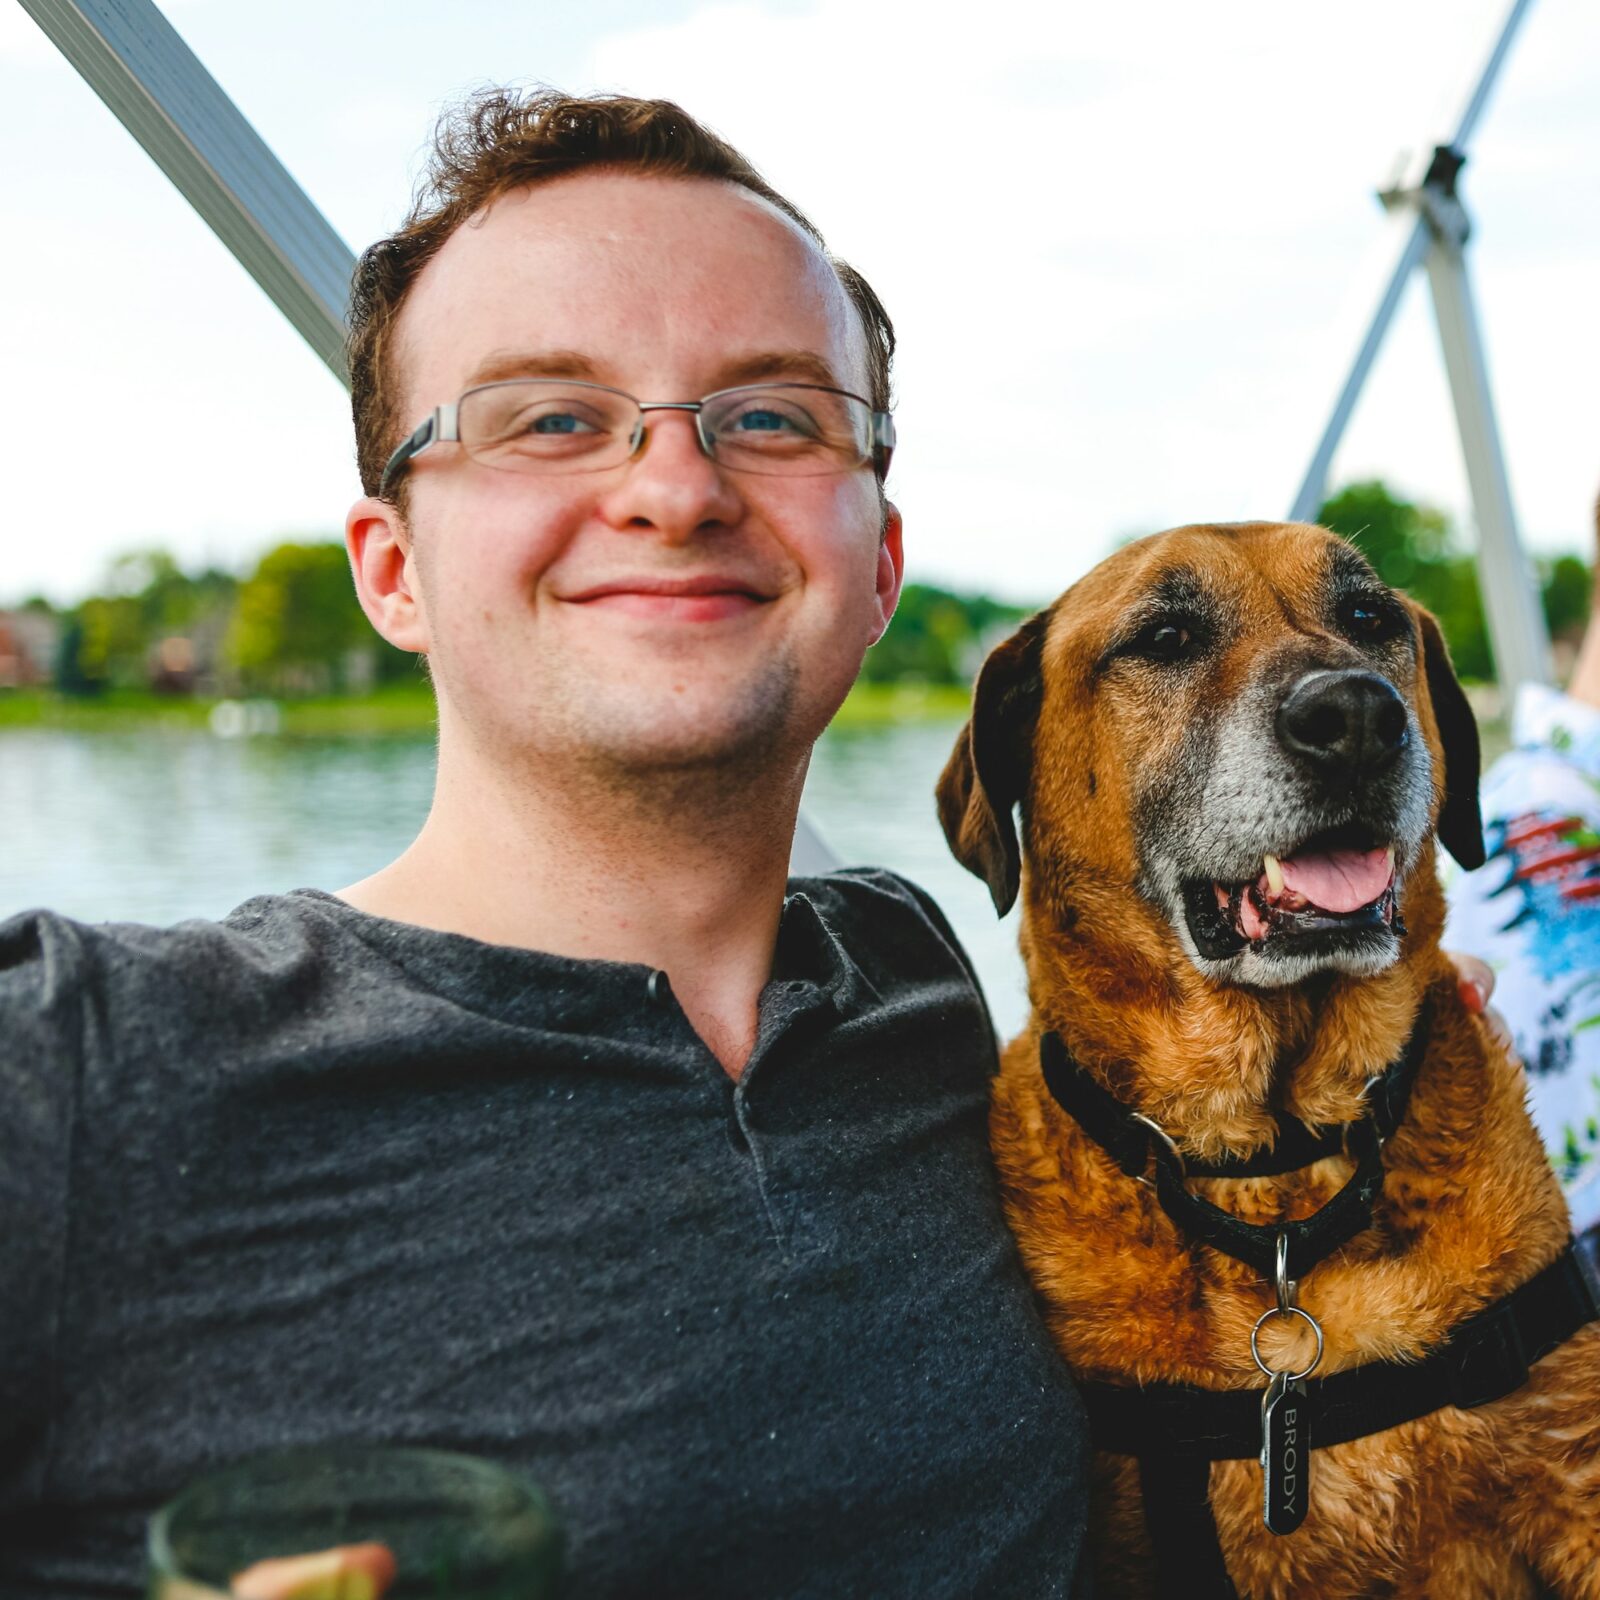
<point>295,619</point>
<point>1568,591</point>
<point>170,600</point>
<point>937,636</point>
<point>109,644</point>
<point>110,639</point>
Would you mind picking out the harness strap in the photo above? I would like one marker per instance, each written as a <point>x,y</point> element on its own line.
<point>1311,1239</point>
<point>1126,1139</point>
<point>1129,1139</point>
<point>1485,1358</point>
<point>1183,1533</point>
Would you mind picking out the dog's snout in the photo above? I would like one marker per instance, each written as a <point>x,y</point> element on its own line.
<point>1343,722</point>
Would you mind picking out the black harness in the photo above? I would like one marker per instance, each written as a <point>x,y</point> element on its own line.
<point>1177,1430</point>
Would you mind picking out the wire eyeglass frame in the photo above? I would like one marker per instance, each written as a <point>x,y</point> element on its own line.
<point>442,425</point>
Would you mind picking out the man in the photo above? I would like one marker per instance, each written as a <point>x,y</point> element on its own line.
<point>574,1138</point>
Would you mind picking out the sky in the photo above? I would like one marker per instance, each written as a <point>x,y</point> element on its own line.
<point>1129,251</point>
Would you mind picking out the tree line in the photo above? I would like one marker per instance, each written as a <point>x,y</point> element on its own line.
<point>292,627</point>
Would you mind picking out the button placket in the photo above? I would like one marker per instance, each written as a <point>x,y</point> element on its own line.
<point>744,1120</point>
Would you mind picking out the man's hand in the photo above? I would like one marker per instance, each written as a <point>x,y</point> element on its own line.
<point>1476,982</point>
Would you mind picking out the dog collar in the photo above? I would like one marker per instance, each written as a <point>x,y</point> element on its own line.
<point>1131,1139</point>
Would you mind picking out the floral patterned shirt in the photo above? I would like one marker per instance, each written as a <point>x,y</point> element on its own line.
<point>1533,912</point>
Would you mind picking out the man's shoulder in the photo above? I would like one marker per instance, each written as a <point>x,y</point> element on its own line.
<point>866,898</point>
<point>893,929</point>
<point>61,977</point>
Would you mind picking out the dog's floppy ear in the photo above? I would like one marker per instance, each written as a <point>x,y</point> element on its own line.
<point>1460,821</point>
<point>987,773</point>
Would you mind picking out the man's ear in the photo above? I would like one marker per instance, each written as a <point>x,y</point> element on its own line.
<point>891,568</point>
<point>1460,821</point>
<point>381,563</point>
<point>987,773</point>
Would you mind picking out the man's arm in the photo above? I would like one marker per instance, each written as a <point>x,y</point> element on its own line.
<point>41,965</point>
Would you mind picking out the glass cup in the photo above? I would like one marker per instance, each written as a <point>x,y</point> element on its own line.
<point>455,1527</point>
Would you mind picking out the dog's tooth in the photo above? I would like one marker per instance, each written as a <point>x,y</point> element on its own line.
<point>1391,861</point>
<point>1274,873</point>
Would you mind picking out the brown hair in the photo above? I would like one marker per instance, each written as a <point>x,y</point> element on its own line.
<point>500,140</point>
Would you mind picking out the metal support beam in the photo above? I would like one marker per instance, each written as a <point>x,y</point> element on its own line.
<point>130,55</point>
<point>1435,232</point>
<point>1467,125</point>
<point>1510,594</point>
<point>1314,486</point>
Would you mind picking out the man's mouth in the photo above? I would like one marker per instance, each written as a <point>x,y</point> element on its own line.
<point>709,597</point>
<point>1334,889</point>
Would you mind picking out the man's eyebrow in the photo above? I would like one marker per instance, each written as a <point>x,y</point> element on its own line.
<point>503,364</point>
<point>799,366</point>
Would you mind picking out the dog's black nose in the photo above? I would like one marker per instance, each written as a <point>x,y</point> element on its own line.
<point>1352,722</point>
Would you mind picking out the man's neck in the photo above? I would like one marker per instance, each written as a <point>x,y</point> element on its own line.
<point>682,874</point>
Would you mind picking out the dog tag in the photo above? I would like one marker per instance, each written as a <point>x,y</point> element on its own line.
<point>1285,1454</point>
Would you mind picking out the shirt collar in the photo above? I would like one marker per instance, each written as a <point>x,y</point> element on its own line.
<point>809,951</point>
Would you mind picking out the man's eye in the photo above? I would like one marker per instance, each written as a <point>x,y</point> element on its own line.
<point>559,422</point>
<point>1369,619</point>
<point>758,421</point>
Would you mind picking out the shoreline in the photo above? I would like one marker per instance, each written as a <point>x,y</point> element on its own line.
<point>398,712</point>
<point>406,712</point>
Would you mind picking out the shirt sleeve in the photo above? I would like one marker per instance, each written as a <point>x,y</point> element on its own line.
<point>1533,912</point>
<point>41,972</point>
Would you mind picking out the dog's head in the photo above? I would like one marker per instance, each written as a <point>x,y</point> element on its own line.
<point>1238,730</point>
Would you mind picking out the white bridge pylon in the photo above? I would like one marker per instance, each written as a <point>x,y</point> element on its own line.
<point>1437,240</point>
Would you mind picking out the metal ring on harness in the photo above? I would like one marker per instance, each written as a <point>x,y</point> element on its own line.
<point>1166,1139</point>
<point>1372,1083</point>
<point>1293,1311</point>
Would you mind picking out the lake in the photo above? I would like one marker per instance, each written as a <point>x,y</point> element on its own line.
<point>158,824</point>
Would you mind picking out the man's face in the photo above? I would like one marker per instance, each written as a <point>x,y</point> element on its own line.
<point>666,612</point>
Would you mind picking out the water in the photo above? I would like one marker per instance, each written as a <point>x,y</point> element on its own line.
<point>157,825</point>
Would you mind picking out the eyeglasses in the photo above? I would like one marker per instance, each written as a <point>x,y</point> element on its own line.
<point>548,425</point>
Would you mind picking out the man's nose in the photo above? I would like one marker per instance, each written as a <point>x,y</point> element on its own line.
<point>1348,724</point>
<point>670,485</point>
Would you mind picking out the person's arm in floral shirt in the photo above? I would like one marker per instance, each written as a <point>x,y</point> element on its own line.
<point>1533,912</point>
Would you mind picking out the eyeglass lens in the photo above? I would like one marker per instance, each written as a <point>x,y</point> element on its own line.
<point>550,425</point>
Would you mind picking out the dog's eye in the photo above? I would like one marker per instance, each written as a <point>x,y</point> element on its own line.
<point>1370,619</point>
<point>1163,641</point>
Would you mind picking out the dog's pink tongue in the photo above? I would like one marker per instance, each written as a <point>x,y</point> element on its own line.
<point>1341,880</point>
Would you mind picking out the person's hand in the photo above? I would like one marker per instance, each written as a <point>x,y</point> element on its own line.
<point>1475,980</point>
<point>351,1572</point>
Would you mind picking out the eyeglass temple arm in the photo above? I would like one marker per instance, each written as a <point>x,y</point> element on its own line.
<point>440,426</point>
<point>883,441</point>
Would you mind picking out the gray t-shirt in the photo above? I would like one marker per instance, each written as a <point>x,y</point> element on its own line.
<point>308,1174</point>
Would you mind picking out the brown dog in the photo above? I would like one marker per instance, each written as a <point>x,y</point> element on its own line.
<point>1233,748</point>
